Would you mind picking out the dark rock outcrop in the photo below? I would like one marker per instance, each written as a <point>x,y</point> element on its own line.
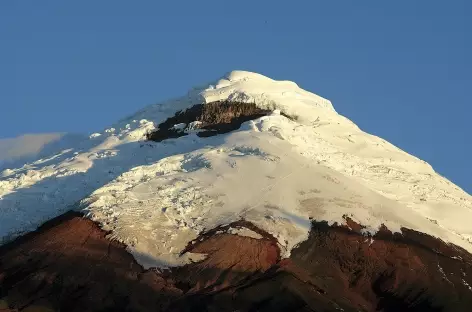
<point>70,265</point>
<point>212,118</point>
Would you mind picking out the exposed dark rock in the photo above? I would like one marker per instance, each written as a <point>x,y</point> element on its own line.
<point>213,118</point>
<point>70,265</point>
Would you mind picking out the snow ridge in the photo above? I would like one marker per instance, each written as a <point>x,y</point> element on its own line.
<point>275,172</point>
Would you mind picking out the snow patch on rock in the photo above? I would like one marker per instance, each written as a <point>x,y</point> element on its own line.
<point>242,231</point>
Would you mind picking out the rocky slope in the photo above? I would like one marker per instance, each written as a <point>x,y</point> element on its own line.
<point>69,264</point>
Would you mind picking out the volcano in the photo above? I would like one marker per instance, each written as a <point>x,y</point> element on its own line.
<point>246,194</point>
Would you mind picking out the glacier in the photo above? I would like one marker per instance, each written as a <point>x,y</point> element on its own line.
<point>277,172</point>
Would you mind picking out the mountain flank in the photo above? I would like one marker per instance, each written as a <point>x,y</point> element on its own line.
<point>69,264</point>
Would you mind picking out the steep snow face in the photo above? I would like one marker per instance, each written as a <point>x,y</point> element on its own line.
<point>275,172</point>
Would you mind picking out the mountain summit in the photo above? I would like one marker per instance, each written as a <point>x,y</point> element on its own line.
<point>270,169</point>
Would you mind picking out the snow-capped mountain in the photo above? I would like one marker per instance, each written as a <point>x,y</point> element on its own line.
<point>246,194</point>
<point>301,162</point>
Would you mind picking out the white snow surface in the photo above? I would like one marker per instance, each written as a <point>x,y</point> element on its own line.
<point>274,171</point>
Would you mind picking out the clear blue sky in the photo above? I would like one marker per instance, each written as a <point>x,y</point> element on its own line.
<point>399,69</point>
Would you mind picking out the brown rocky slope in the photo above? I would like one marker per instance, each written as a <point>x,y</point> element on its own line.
<point>70,265</point>
<point>210,119</point>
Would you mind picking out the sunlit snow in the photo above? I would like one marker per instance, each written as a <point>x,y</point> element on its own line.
<point>276,172</point>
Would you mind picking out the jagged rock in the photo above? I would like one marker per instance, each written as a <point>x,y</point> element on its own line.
<point>212,118</point>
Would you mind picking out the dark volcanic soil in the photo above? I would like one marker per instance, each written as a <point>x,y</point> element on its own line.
<point>70,265</point>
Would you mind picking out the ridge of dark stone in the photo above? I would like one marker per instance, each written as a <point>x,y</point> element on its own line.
<point>215,118</point>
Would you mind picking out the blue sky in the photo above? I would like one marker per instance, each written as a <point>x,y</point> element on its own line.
<point>399,69</point>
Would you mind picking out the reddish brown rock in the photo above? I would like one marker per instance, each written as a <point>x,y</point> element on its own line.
<point>70,265</point>
<point>337,268</point>
<point>231,258</point>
